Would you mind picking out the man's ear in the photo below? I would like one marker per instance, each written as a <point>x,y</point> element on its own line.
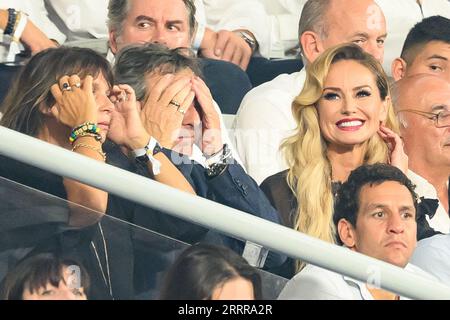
<point>346,233</point>
<point>113,41</point>
<point>398,68</point>
<point>311,44</point>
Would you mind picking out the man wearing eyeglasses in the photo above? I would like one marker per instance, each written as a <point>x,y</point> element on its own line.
<point>422,105</point>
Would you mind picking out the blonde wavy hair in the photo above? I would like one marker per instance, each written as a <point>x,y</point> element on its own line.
<point>310,174</point>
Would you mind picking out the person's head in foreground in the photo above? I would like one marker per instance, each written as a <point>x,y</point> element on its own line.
<point>210,272</point>
<point>46,276</point>
<point>375,214</point>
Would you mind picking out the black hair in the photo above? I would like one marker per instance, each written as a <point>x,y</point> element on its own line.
<point>346,204</point>
<point>36,272</point>
<point>202,268</point>
<point>435,28</point>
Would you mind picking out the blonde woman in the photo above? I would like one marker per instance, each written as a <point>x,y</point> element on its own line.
<point>345,119</point>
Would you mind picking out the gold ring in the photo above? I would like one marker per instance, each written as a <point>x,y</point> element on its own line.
<point>176,104</point>
<point>181,111</point>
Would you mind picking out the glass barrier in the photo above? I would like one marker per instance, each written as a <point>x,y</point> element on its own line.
<point>122,260</point>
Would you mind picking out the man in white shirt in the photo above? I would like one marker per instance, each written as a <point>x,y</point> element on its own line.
<point>422,104</point>
<point>265,118</point>
<point>433,255</point>
<point>379,222</point>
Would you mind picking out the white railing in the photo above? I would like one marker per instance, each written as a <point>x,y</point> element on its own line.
<point>216,216</point>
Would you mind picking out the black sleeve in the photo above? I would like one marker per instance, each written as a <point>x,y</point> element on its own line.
<point>281,197</point>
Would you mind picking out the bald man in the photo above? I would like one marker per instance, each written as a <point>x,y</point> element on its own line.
<point>422,104</point>
<point>265,118</point>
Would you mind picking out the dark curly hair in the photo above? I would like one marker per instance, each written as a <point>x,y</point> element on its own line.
<point>346,205</point>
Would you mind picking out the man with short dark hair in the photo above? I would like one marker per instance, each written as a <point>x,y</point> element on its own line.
<point>426,50</point>
<point>172,23</point>
<point>375,214</point>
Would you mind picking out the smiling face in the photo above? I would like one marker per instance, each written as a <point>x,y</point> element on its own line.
<point>157,21</point>
<point>350,109</point>
<point>386,226</point>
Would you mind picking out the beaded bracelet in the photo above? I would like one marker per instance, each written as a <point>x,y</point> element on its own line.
<point>12,17</point>
<point>83,129</point>
<point>98,150</point>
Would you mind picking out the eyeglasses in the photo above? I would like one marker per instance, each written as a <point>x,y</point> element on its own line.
<point>442,119</point>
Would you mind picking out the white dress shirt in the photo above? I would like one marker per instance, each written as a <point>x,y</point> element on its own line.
<point>433,255</point>
<point>401,16</point>
<point>274,23</point>
<point>263,121</point>
<point>441,220</point>
<point>315,283</point>
<point>80,19</point>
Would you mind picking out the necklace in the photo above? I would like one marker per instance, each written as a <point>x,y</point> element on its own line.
<point>107,280</point>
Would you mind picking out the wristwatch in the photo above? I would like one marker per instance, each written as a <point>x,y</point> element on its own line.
<point>217,168</point>
<point>146,154</point>
<point>248,38</point>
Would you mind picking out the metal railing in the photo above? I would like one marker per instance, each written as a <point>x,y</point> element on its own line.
<point>216,216</point>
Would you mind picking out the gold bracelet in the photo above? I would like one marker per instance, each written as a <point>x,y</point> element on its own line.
<point>98,150</point>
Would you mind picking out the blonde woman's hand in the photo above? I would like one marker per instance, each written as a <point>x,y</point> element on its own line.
<point>75,101</point>
<point>397,156</point>
<point>126,126</point>
<point>163,112</point>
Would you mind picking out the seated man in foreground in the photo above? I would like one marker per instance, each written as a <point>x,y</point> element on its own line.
<point>380,222</point>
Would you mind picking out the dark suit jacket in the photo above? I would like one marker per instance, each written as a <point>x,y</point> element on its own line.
<point>236,189</point>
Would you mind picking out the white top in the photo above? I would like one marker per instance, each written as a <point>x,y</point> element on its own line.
<point>273,22</point>
<point>315,283</point>
<point>433,255</point>
<point>80,19</point>
<point>263,121</point>
<point>401,16</point>
<point>37,14</point>
<point>441,220</point>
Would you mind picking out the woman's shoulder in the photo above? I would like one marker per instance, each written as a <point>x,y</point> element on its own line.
<point>277,180</point>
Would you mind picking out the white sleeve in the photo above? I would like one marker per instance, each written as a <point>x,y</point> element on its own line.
<point>38,15</point>
<point>274,23</point>
<point>434,260</point>
<point>310,286</point>
<point>259,130</point>
<point>240,14</point>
